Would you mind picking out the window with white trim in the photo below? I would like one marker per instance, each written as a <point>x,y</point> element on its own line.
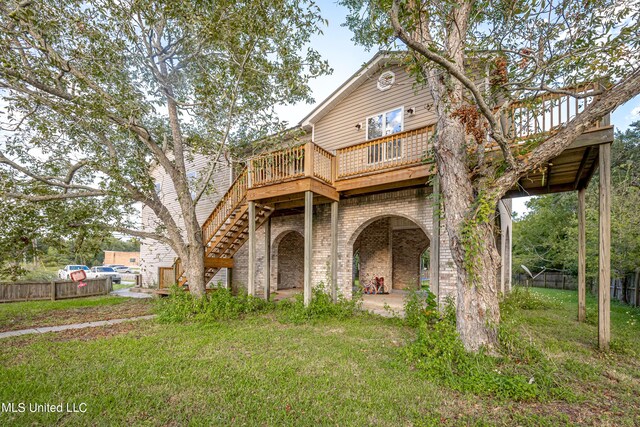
<point>383,124</point>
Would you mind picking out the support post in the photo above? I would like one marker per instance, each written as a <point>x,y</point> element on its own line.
<point>53,290</point>
<point>267,259</point>
<point>230,279</point>
<point>582,251</point>
<point>308,244</point>
<point>308,159</point>
<point>334,251</point>
<point>435,240</point>
<point>636,291</point>
<point>251,280</point>
<point>604,282</point>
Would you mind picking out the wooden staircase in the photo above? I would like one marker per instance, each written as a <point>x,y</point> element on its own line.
<point>226,229</point>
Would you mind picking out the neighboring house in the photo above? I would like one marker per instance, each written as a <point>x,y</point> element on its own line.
<point>130,259</point>
<point>155,255</point>
<point>354,199</point>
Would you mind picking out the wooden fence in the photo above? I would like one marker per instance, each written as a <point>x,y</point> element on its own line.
<point>548,279</point>
<point>166,277</point>
<point>627,289</point>
<point>624,289</point>
<point>54,290</point>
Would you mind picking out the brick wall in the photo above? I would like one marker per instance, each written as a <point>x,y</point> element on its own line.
<point>373,247</point>
<point>408,245</point>
<point>290,261</point>
<point>354,215</point>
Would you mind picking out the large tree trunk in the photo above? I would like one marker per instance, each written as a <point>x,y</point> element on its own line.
<point>477,310</point>
<point>194,270</point>
<point>471,238</point>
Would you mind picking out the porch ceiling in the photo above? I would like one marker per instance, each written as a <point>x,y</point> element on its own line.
<point>569,171</point>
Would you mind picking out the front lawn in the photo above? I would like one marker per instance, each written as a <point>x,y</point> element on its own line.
<point>260,371</point>
<point>22,315</point>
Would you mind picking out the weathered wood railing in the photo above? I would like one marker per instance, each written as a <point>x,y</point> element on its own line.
<point>277,166</point>
<point>232,199</point>
<point>389,152</point>
<point>292,163</point>
<point>548,112</point>
<point>323,164</point>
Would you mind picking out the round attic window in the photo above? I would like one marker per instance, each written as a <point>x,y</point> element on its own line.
<point>386,80</point>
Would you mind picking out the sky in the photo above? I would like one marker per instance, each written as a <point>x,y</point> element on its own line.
<point>345,57</point>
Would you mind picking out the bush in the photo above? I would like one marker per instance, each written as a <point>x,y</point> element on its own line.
<point>520,372</point>
<point>218,305</point>
<point>523,299</point>
<point>421,307</point>
<point>320,307</point>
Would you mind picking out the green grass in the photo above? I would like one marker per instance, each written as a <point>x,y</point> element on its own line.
<point>118,286</point>
<point>260,371</point>
<point>16,315</point>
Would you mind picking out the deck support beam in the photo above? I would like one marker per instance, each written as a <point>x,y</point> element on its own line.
<point>435,239</point>
<point>636,289</point>
<point>251,280</point>
<point>582,250</point>
<point>230,279</point>
<point>308,244</point>
<point>267,259</point>
<point>334,251</point>
<point>604,282</point>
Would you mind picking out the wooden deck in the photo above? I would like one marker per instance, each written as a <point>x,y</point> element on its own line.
<point>405,159</point>
<point>362,169</point>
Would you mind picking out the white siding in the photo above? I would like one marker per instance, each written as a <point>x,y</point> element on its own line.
<point>337,129</point>
<point>154,254</point>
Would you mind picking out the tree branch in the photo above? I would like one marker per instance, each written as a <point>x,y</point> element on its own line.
<point>53,181</point>
<point>450,67</point>
<point>52,197</point>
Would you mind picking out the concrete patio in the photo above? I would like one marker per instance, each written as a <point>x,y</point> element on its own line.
<point>387,305</point>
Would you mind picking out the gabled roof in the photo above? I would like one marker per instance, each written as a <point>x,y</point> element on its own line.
<point>378,61</point>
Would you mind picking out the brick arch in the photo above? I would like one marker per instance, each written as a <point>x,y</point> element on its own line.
<point>374,218</point>
<point>287,260</point>
<point>399,272</point>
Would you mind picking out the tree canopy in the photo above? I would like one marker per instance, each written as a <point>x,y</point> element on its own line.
<point>99,96</point>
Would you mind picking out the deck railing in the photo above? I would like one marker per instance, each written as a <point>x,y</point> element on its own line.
<point>322,164</point>
<point>548,112</point>
<point>291,163</point>
<point>277,166</point>
<point>525,119</point>
<point>398,150</point>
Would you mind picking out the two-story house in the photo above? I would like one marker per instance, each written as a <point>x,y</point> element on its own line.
<point>353,198</point>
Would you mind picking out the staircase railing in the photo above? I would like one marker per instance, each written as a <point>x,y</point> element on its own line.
<point>232,199</point>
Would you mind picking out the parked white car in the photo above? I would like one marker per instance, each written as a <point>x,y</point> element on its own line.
<point>101,272</point>
<point>122,269</point>
<point>65,273</point>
